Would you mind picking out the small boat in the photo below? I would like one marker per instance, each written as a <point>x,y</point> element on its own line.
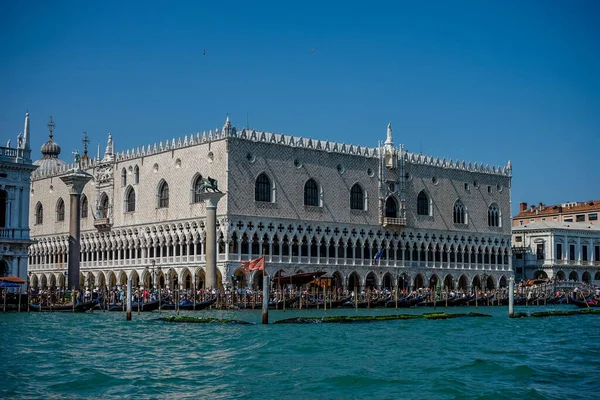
<point>190,306</point>
<point>68,307</point>
<point>584,304</point>
<point>149,306</point>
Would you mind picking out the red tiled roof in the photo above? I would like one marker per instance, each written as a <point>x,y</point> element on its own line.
<point>592,205</point>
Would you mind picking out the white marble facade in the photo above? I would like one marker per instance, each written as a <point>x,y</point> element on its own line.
<point>557,250</point>
<point>306,204</point>
<point>15,170</point>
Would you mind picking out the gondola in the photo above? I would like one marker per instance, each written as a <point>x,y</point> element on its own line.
<point>272,304</point>
<point>330,304</point>
<point>146,307</point>
<point>188,305</point>
<point>584,304</point>
<point>68,307</point>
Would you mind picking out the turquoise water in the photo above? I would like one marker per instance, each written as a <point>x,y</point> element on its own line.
<point>100,355</point>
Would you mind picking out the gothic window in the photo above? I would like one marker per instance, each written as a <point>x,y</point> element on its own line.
<point>391,208</point>
<point>84,206</point>
<point>104,206</point>
<point>423,204</point>
<point>197,192</point>
<point>262,188</point>
<point>459,213</point>
<point>130,200</point>
<point>123,177</point>
<point>494,215</point>
<point>136,175</point>
<point>39,214</point>
<point>163,195</point>
<point>311,193</point>
<point>60,210</point>
<point>3,198</point>
<point>357,200</point>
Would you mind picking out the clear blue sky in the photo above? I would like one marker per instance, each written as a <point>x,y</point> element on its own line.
<point>478,81</point>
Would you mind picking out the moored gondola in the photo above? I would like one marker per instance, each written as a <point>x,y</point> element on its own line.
<point>68,307</point>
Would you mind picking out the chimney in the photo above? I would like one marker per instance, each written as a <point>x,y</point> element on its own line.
<point>522,206</point>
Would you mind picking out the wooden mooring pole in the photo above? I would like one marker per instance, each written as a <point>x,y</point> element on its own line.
<point>265,300</point>
<point>129,287</point>
<point>511,297</point>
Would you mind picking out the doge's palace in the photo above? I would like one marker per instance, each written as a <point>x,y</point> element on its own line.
<point>376,216</point>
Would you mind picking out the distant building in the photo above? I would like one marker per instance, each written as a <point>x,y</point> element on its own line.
<point>367,216</point>
<point>15,171</point>
<point>559,250</point>
<point>566,212</point>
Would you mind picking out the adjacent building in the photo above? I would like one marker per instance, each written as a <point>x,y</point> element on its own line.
<point>566,212</point>
<point>557,250</point>
<point>368,216</point>
<point>15,170</point>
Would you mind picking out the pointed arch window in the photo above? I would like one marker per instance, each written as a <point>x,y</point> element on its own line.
<point>163,195</point>
<point>136,175</point>
<point>423,203</point>
<point>262,188</point>
<point>311,193</point>
<point>130,200</point>
<point>60,210</point>
<point>494,217</point>
<point>123,177</point>
<point>357,199</point>
<point>104,206</point>
<point>458,215</point>
<point>39,214</point>
<point>391,208</point>
<point>84,206</point>
<point>197,189</point>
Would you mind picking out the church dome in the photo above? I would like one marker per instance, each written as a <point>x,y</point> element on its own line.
<point>50,151</point>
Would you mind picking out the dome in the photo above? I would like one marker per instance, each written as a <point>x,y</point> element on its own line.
<point>51,149</point>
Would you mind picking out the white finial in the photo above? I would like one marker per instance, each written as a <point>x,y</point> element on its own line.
<point>388,140</point>
<point>27,136</point>
<point>109,153</point>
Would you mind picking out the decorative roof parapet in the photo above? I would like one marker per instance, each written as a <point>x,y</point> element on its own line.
<point>414,158</point>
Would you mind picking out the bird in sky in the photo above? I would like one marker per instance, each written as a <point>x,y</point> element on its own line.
<point>204,52</point>
<point>312,50</point>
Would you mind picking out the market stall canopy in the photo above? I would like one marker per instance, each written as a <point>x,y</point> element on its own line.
<point>11,279</point>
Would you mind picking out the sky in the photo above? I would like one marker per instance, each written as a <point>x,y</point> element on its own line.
<point>481,81</point>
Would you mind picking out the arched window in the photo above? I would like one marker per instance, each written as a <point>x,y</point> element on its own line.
<point>123,177</point>
<point>494,215</point>
<point>357,199</point>
<point>163,195</point>
<point>60,210</point>
<point>262,188</point>
<point>104,206</point>
<point>39,214</point>
<point>130,200</point>
<point>84,206</point>
<point>458,214</point>
<point>422,203</point>
<point>197,191</point>
<point>391,208</point>
<point>136,175</point>
<point>3,198</point>
<point>311,193</point>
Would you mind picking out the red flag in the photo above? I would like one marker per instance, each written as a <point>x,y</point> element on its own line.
<point>253,265</point>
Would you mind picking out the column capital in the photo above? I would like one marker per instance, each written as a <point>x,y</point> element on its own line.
<point>76,180</point>
<point>211,199</point>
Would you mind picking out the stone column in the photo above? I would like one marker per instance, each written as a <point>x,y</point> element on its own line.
<point>211,199</point>
<point>75,181</point>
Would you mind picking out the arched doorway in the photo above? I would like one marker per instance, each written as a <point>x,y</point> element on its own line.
<point>449,282</point>
<point>539,274</point>
<point>560,275</point>
<point>586,277</point>
<point>387,281</point>
<point>257,280</point>
<point>353,282</point>
<point>573,276</point>
<point>490,284</point>
<point>419,282</point>
<point>403,282</point>
<point>462,283</point>
<point>502,282</point>
<point>370,281</point>
<point>337,281</point>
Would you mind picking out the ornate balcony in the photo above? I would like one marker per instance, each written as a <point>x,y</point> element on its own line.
<point>103,223</point>
<point>388,221</point>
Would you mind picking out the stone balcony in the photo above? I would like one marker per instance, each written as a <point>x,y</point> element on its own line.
<point>103,223</point>
<point>388,221</point>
